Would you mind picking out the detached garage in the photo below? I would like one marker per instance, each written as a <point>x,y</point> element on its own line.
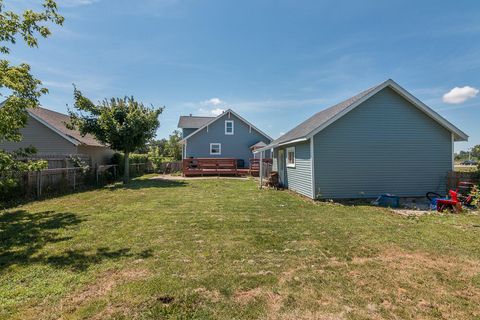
<point>383,140</point>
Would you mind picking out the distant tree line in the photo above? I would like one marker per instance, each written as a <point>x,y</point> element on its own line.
<point>473,154</point>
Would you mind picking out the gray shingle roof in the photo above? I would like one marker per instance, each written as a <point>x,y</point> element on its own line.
<point>193,122</point>
<point>259,144</point>
<point>58,120</point>
<point>315,121</point>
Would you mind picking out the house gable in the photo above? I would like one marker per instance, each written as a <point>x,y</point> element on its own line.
<point>385,145</point>
<point>325,118</point>
<point>229,113</point>
<point>42,137</point>
<point>458,134</point>
<point>232,146</point>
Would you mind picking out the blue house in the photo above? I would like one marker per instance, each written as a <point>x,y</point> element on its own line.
<point>225,136</point>
<point>383,140</point>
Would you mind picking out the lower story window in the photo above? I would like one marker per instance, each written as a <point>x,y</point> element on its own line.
<point>291,157</point>
<point>215,148</point>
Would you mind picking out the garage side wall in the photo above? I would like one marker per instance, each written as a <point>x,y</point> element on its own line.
<point>385,145</point>
<point>299,178</point>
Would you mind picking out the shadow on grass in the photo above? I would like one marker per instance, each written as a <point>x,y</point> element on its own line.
<point>137,184</point>
<point>24,234</point>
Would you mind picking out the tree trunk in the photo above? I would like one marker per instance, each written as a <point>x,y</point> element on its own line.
<point>126,174</point>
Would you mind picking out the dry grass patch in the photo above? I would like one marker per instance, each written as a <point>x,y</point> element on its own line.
<point>416,283</point>
<point>104,285</point>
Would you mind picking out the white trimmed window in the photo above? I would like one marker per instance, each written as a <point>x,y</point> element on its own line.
<point>291,157</point>
<point>215,149</point>
<point>229,127</point>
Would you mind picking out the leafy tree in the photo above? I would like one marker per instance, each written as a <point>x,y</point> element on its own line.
<point>155,156</point>
<point>173,148</point>
<point>18,87</point>
<point>476,151</point>
<point>122,123</point>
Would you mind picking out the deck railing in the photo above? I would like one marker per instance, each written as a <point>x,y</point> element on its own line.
<point>223,166</point>
<point>209,166</point>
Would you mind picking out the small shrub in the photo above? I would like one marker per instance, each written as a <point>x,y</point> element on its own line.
<point>155,157</point>
<point>135,158</point>
<point>475,193</point>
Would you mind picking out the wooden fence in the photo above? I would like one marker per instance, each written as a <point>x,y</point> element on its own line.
<point>454,177</point>
<point>56,161</point>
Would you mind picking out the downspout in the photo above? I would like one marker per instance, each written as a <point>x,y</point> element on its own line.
<point>261,170</point>
<point>453,152</point>
<point>312,166</point>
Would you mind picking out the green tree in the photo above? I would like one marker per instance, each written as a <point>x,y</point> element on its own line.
<point>173,148</point>
<point>476,151</point>
<point>18,87</point>
<point>155,156</point>
<point>122,123</point>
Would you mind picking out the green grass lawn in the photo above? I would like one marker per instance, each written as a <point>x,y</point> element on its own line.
<point>222,249</point>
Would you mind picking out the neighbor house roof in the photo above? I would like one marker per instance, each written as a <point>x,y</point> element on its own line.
<point>57,122</point>
<point>257,145</point>
<point>193,122</point>
<point>322,119</point>
<point>219,117</point>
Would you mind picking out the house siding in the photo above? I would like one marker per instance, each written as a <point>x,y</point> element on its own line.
<point>385,145</point>
<point>299,179</point>
<point>45,140</point>
<point>233,146</point>
<point>98,155</point>
<point>187,131</point>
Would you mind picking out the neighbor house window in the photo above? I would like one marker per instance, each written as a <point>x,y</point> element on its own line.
<point>291,157</point>
<point>215,148</point>
<point>229,127</point>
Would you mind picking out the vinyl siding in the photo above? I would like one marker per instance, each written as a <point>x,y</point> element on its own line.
<point>233,146</point>
<point>187,131</point>
<point>41,137</point>
<point>385,145</point>
<point>98,155</point>
<point>299,179</point>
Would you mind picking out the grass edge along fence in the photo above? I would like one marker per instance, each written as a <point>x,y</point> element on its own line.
<point>35,184</point>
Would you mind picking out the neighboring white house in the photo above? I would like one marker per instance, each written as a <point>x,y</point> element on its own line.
<point>46,130</point>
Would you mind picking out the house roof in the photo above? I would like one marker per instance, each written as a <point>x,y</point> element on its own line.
<point>193,122</point>
<point>259,144</point>
<point>322,119</point>
<point>319,118</point>
<point>57,122</point>
<point>219,117</point>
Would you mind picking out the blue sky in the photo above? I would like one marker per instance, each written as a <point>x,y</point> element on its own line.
<point>274,62</point>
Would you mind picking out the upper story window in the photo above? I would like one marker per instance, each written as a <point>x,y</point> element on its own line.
<point>291,157</point>
<point>229,127</point>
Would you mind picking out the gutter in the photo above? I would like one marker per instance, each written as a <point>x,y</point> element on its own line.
<point>272,146</point>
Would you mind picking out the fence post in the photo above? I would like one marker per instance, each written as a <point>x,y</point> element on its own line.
<point>39,183</point>
<point>74,176</point>
<point>114,172</point>
<point>260,171</point>
<point>96,172</point>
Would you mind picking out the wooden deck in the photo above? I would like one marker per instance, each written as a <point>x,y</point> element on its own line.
<point>219,166</point>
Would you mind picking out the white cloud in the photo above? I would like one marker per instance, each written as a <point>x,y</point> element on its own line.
<point>459,95</point>
<point>212,102</point>
<point>207,107</point>
<point>210,112</point>
<point>217,111</point>
<point>76,3</point>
